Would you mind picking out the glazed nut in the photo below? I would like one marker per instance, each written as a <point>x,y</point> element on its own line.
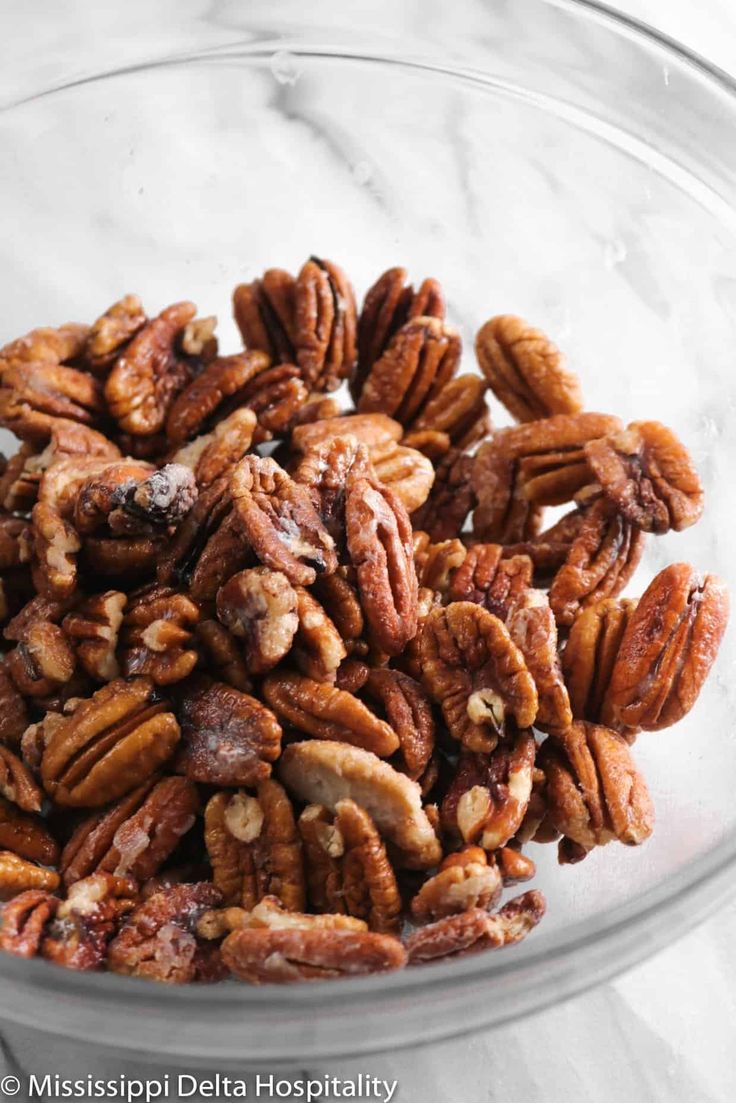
<point>17,875</point>
<point>324,324</point>
<point>464,881</point>
<point>23,922</point>
<point>451,498</point>
<point>476,673</point>
<point>114,741</point>
<point>223,655</point>
<point>408,711</point>
<point>17,783</point>
<point>531,625</point>
<point>264,313</point>
<point>35,396</point>
<point>156,636</point>
<point>112,331</point>
<point>92,629</point>
<point>488,577</point>
<point>212,455</point>
<point>590,654</point>
<point>259,606</point>
<point>437,563</point>
<point>328,468</point>
<point>369,884</point>
<point>55,545</point>
<point>457,412</point>
<point>287,956</point>
<point>318,647</point>
<point>476,930</point>
<point>215,392</point>
<point>42,661</point>
<point>324,847</point>
<point>27,835</point>
<point>45,345</point>
<point>525,370</point>
<point>514,866</point>
<point>376,431</point>
<point>86,921</point>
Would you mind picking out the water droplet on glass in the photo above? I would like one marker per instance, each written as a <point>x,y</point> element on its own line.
<point>362,172</point>
<point>614,252</point>
<point>285,67</point>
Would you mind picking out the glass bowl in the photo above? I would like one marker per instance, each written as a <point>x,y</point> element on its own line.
<point>544,158</point>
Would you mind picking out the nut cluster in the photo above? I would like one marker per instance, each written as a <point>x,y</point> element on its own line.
<point>286,687</point>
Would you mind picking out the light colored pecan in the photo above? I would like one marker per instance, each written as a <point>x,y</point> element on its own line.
<point>259,606</point>
<point>370,888</point>
<point>23,922</point>
<point>158,940</point>
<point>324,712</point>
<point>280,522</point>
<point>198,339</point>
<point>531,625</point>
<point>420,359</point>
<point>457,412</point>
<point>55,545</point>
<point>325,324</point>
<point>45,346</point>
<point>376,431</point>
<point>450,500</point>
<point>110,744</point>
<point>17,783</point>
<point>213,394</point>
<point>228,737</point>
<point>526,370</point>
<point>270,914</point>
<point>34,396</point>
<point>86,920</point>
<point>324,847</point>
<point>18,875</point>
<point>436,562</point>
<point>488,579</point>
<point>255,848</point>
<point>328,469</point>
<point>475,930</point>
<point>223,655</point>
<point>26,834</point>
<point>488,797</point>
<point>514,866</point>
<point>288,956</point>
<point>264,313</point>
<point>112,331</point>
<point>531,465</point>
<point>321,771</point>
<point>476,673</point>
<point>318,407</point>
<point>93,629</point>
<point>146,379</point>
<point>408,710</point>
<point>649,476</point>
<point>157,635</point>
<point>379,539</point>
<point>134,837</point>
<point>405,471</point>
<point>670,643</point>
<point>594,792</point>
<point>42,661</point>
<point>590,653</point>
<point>599,564</point>
<point>215,454</point>
<point>465,880</point>
<point>387,306</point>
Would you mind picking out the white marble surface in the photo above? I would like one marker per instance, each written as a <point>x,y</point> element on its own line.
<point>663,1032</point>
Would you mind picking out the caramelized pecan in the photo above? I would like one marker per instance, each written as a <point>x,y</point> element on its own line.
<point>93,629</point>
<point>405,471</point>
<point>287,956</point>
<point>55,546</point>
<point>259,606</point>
<point>375,431</point>
<point>23,922</point>
<point>264,313</point>
<point>531,625</point>
<point>475,930</point>
<point>17,783</point>
<point>27,835</point>
<point>465,880</point>
<point>215,454</point>
<point>33,396</point>
<point>328,469</point>
<point>457,416</point>
<point>156,636</point>
<point>325,324</point>
<point>450,500</point>
<point>42,661</point>
<point>112,331</point>
<point>221,653</point>
<point>45,345</point>
<point>78,936</point>
<point>369,883</point>
<point>13,711</point>
<point>324,848</point>
<point>215,392</point>
<point>488,579</point>
<point>318,648</point>
<point>590,653</point>
<point>409,713</point>
<point>18,875</point>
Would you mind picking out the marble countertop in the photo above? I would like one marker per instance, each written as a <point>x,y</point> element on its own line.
<point>663,1032</point>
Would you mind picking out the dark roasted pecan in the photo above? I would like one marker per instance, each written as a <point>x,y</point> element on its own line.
<point>223,655</point>
<point>146,379</point>
<point>490,580</point>
<point>590,653</point>
<point>476,673</point>
<point>465,880</point>
<point>526,370</point>
<point>42,661</point>
<point>157,502</point>
<point>450,500</point>
<point>156,637</point>
<point>264,313</point>
<point>649,476</point>
<point>670,643</point>
<point>409,713</point>
<point>324,848</point>
<point>254,847</point>
<point>23,922</point>
<point>280,522</point>
<point>26,835</point>
<point>325,324</point>
<point>110,744</point>
<point>111,332</point>
<point>259,606</point>
<point>324,712</point>
<point>78,936</point>
<point>134,837</point>
<point>321,771</point>
<point>594,792</point>
<point>15,542</point>
<point>228,737</point>
<point>475,930</point>
<point>214,393</point>
<point>158,939</point>
<point>420,359</point>
<point>287,956</point>
<point>13,711</point>
<point>18,875</point>
<point>93,630</point>
<point>388,304</point>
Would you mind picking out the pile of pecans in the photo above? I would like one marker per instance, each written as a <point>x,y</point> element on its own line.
<point>287,688</point>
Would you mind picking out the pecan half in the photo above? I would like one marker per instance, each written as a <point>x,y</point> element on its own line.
<point>387,306</point>
<point>526,370</point>
<point>324,848</point>
<point>15,542</point>
<point>78,936</point>
<point>254,847</point>
<point>259,606</point>
<point>318,647</point>
<point>215,454</point>
<point>112,331</point>
<point>549,549</point>
<point>275,396</point>
<point>476,673</point>
<point>465,880</point>
<point>325,324</point>
<point>55,547</point>
<point>488,579</point>
<point>328,469</point>
<point>158,940</point>
<point>34,396</point>
<point>215,392</point>
<point>514,866</point>
<point>670,643</point>
<point>590,653</point>
<point>531,625</point>
<point>18,875</point>
<point>113,741</point>
<point>264,313</point>
<point>488,797</point>
<point>45,345</point>
<point>280,522</point>
<point>649,475</point>
<point>228,737</point>
<point>42,661</point>
<point>321,771</point>
<point>420,359</point>
<point>369,883</point>
<point>134,837</point>
<point>146,379</point>
<point>270,914</point>
<point>338,596</point>
<point>457,416</point>
<point>324,712</point>
<point>14,717</point>
<point>379,539</point>
<point>594,791</point>
<point>93,629</point>
<point>23,922</point>
<point>436,563</point>
<point>405,471</point>
<point>157,502</point>
<point>17,783</point>
<point>287,956</point>
<point>156,636</point>
<point>409,712</point>
<point>376,431</point>
<point>475,930</point>
<point>450,500</point>
<point>27,835</point>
